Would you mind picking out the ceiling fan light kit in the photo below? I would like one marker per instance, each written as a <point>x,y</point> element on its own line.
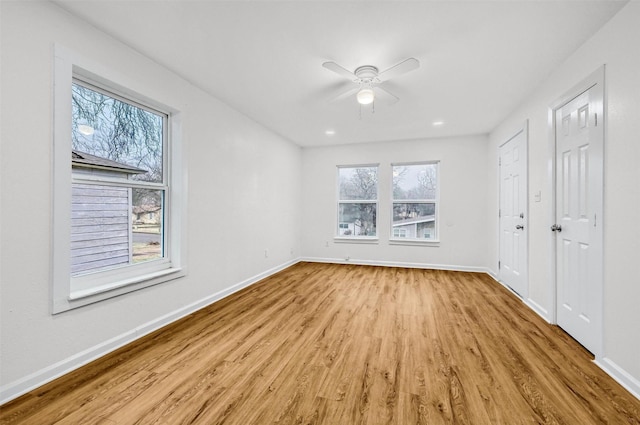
<point>365,96</point>
<point>369,79</point>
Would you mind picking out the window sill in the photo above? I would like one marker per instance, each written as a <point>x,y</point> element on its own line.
<point>134,282</point>
<point>414,242</point>
<point>363,240</point>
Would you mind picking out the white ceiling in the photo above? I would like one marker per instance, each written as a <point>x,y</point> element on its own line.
<point>479,59</point>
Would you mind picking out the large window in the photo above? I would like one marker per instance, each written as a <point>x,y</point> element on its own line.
<point>119,186</point>
<point>357,201</point>
<point>118,200</point>
<point>414,203</point>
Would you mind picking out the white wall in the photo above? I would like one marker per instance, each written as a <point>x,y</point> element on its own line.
<point>243,197</point>
<point>615,45</point>
<point>244,187</point>
<point>462,209</point>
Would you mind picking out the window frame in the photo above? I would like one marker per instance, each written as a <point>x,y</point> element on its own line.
<point>376,202</point>
<point>72,292</point>
<point>86,281</point>
<point>394,240</point>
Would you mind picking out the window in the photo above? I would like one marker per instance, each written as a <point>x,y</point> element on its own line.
<point>117,193</point>
<point>399,233</point>
<point>414,203</point>
<point>117,160</point>
<point>357,201</point>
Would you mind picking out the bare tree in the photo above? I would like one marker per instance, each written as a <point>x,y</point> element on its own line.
<point>427,180</point>
<point>399,174</point>
<point>360,184</point>
<point>122,132</point>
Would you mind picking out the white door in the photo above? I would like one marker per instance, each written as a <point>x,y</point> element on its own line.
<point>513,213</point>
<point>578,218</point>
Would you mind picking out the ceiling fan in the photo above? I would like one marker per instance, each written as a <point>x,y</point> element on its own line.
<point>369,80</point>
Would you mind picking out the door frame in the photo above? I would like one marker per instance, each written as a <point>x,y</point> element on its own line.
<point>593,79</point>
<point>525,131</point>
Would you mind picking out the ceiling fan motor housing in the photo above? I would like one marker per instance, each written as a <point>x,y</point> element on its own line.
<point>366,74</point>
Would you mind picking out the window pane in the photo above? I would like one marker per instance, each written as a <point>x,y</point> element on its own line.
<point>415,181</point>
<point>355,219</point>
<point>99,227</point>
<point>414,220</point>
<point>117,136</point>
<point>101,237</point>
<point>148,219</point>
<point>358,183</point>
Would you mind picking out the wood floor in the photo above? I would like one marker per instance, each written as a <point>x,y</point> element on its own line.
<point>340,345</point>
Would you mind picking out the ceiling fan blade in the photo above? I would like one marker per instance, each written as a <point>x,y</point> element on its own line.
<point>345,95</point>
<point>386,96</point>
<point>332,66</point>
<point>399,69</point>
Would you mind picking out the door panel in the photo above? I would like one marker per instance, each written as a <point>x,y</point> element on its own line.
<point>513,213</point>
<point>579,177</point>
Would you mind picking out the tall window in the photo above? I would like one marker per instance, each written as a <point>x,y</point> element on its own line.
<point>414,203</point>
<point>357,201</point>
<point>119,207</point>
<point>119,185</point>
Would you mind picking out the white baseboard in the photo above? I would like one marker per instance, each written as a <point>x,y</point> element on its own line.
<point>493,274</point>
<point>30,382</point>
<point>396,264</point>
<point>538,309</point>
<point>624,378</point>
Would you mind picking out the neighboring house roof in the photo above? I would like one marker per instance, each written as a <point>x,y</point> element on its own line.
<point>85,160</point>
<point>416,220</point>
<point>137,209</point>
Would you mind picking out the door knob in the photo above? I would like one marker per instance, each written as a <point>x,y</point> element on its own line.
<point>556,228</point>
<point>519,227</point>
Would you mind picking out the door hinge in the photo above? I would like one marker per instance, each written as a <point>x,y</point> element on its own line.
<point>499,265</point>
<point>499,160</point>
<point>596,118</point>
<point>499,213</point>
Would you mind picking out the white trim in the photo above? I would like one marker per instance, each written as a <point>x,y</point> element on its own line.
<point>539,310</point>
<point>415,242</point>
<point>95,290</point>
<point>30,382</point>
<point>380,263</point>
<point>116,181</point>
<point>356,239</point>
<point>369,165</point>
<point>551,190</point>
<point>493,274</point>
<point>67,291</point>
<point>524,130</point>
<point>620,375</point>
<point>436,201</point>
<point>400,164</point>
<point>595,78</point>
<point>365,239</point>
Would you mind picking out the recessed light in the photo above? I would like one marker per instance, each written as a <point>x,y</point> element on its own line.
<point>437,123</point>
<point>330,132</point>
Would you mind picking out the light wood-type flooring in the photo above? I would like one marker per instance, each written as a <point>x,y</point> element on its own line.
<point>339,345</point>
